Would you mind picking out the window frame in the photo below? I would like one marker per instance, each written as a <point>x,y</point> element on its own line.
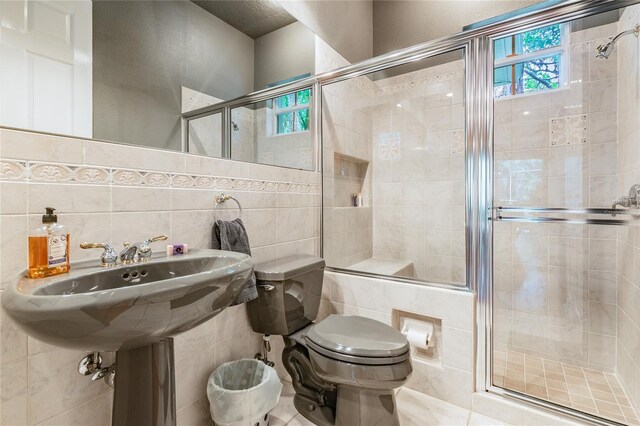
<point>293,109</point>
<point>563,49</point>
<point>272,106</point>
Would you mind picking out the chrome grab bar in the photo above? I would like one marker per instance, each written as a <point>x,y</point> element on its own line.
<point>499,215</point>
<point>567,210</point>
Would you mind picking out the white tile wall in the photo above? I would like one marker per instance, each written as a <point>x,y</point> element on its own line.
<point>418,171</point>
<point>628,242</point>
<point>453,380</point>
<point>408,131</point>
<point>554,296</point>
<point>293,150</point>
<point>108,192</point>
<point>346,133</point>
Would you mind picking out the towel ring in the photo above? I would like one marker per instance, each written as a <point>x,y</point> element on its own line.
<point>221,198</point>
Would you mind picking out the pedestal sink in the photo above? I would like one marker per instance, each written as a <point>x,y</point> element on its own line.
<point>134,310</point>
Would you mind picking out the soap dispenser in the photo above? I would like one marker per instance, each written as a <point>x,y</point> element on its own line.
<point>48,247</point>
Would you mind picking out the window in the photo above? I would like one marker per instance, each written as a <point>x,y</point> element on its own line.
<point>291,112</point>
<point>532,61</point>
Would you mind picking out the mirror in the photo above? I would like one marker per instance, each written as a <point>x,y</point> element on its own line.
<point>274,132</point>
<point>125,71</point>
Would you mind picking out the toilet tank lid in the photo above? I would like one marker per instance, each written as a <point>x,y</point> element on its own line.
<point>288,267</point>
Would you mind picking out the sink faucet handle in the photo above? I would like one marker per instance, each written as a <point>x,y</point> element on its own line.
<point>108,256</point>
<point>93,245</point>
<point>144,248</point>
<point>155,239</point>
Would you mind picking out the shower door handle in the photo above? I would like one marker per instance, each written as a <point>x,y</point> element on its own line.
<point>524,214</point>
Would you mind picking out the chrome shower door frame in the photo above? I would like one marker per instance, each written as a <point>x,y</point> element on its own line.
<point>395,59</point>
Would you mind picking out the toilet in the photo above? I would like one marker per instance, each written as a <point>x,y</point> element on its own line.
<point>344,369</point>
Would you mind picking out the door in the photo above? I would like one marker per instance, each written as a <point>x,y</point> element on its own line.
<point>46,66</point>
<point>566,241</point>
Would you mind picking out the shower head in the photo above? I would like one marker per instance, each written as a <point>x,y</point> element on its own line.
<point>604,50</point>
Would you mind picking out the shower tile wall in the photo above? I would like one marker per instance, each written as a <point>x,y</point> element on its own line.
<point>401,142</point>
<point>243,139</point>
<point>450,378</point>
<point>205,133</point>
<point>293,150</point>
<point>628,268</point>
<point>555,286</point>
<point>418,171</point>
<point>346,135</point>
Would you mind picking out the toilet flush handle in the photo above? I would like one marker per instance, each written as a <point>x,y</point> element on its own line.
<point>267,287</point>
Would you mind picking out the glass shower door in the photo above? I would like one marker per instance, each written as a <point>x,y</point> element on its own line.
<point>565,281</point>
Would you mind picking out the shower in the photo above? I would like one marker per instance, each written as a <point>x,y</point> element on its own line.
<point>605,50</point>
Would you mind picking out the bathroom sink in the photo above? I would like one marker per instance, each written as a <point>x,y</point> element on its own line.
<point>108,309</point>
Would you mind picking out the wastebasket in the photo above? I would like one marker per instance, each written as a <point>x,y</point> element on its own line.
<point>241,393</point>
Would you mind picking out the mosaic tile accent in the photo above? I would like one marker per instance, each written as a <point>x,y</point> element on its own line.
<point>14,170</point>
<point>389,146</point>
<point>571,130</point>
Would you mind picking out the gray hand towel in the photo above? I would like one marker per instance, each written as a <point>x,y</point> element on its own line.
<point>232,236</point>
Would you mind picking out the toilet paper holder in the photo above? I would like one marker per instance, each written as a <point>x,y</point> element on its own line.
<point>419,333</point>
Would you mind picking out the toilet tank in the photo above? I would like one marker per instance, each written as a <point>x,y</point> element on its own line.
<point>289,292</point>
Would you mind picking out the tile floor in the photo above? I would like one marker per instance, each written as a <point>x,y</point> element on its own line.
<point>587,390</point>
<point>416,409</point>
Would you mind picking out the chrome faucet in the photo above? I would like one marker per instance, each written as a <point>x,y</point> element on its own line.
<point>108,257</point>
<point>138,252</point>
<point>630,201</point>
<point>132,253</point>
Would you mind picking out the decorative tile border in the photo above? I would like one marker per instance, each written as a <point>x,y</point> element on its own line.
<point>135,177</point>
<point>13,170</point>
<point>413,84</point>
<point>32,171</point>
<point>47,172</point>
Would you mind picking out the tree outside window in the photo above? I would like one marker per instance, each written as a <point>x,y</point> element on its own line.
<point>292,112</point>
<point>530,62</point>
